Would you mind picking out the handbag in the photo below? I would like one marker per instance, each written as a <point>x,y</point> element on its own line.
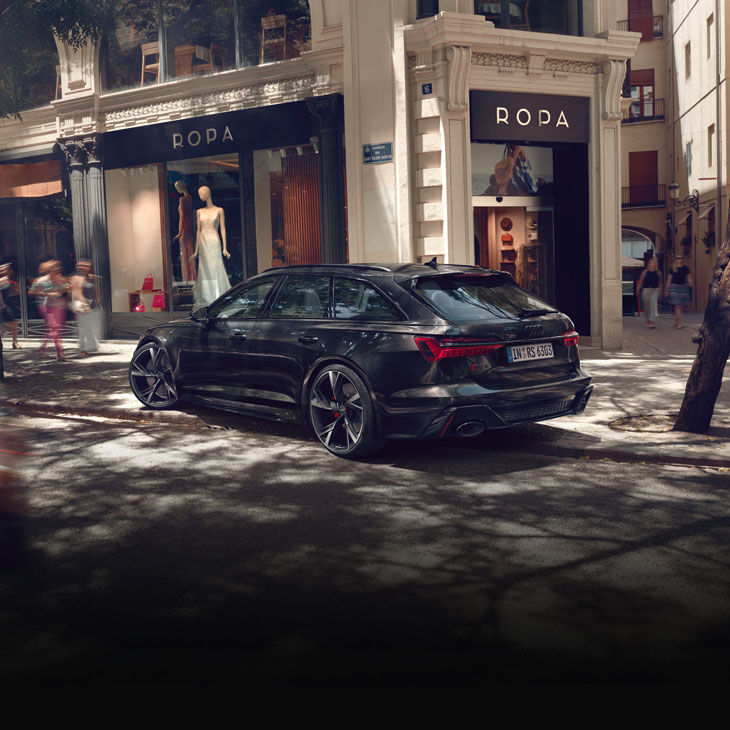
<point>148,283</point>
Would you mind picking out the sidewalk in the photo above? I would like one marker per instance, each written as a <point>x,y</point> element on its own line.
<point>647,377</point>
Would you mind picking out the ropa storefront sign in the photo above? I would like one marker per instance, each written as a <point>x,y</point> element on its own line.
<point>497,116</point>
<point>280,125</point>
<point>196,137</point>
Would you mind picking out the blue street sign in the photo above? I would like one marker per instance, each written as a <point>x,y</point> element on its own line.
<point>374,153</point>
<point>426,89</point>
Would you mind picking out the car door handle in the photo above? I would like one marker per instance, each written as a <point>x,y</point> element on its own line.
<point>238,336</point>
<point>308,340</point>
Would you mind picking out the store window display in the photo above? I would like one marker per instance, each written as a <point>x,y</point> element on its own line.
<point>154,228</point>
<point>512,189</point>
<point>196,188</point>
<point>286,182</point>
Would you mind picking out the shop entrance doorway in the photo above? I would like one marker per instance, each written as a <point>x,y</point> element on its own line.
<point>531,220</point>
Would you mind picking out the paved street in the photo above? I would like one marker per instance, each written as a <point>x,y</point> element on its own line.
<point>165,555</point>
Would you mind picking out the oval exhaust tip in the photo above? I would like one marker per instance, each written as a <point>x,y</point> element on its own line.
<point>470,428</point>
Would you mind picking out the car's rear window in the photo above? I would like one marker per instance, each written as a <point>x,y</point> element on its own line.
<point>475,298</point>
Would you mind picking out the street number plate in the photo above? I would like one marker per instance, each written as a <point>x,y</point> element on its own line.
<point>518,353</point>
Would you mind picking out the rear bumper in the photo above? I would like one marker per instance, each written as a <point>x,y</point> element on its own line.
<point>438,411</point>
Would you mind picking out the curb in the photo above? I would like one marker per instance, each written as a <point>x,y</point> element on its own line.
<point>559,450</point>
<point>613,453</point>
<point>176,418</point>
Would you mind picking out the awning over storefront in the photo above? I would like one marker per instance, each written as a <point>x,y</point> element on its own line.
<point>30,179</point>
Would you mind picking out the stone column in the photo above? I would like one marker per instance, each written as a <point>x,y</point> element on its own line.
<point>606,299</point>
<point>327,112</point>
<point>96,225</point>
<point>75,154</point>
<point>456,162</point>
<point>88,207</point>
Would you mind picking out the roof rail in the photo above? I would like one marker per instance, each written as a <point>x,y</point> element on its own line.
<point>370,267</point>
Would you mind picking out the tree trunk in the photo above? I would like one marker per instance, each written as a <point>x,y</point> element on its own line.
<point>705,379</point>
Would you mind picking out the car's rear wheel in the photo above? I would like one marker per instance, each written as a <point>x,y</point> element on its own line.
<point>342,414</point>
<point>152,378</point>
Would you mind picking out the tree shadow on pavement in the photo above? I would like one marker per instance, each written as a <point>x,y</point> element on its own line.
<point>189,557</point>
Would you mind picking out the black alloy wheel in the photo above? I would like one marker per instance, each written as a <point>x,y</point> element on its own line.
<point>342,414</point>
<point>151,377</point>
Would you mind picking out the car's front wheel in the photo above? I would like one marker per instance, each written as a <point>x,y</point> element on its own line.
<point>152,378</point>
<point>342,414</point>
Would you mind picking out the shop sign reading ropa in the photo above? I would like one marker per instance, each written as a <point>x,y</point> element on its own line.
<point>497,116</point>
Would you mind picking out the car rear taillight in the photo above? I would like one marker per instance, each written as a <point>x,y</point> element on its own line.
<point>570,338</point>
<point>438,348</point>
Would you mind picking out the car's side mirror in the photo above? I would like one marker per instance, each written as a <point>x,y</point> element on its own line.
<point>200,315</point>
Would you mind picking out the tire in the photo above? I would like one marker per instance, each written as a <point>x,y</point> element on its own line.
<point>342,414</point>
<point>151,377</point>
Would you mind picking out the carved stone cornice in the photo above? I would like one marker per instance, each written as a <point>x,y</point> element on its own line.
<point>613,71</point>
<point>241,97</point>
<point>458,59</point>
<point>534,63</point>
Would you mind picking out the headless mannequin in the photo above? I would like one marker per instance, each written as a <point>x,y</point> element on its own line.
<point>185,231</point>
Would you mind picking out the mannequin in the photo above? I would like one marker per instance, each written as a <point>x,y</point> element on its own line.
<point>185,231</point>
<point>212,277</point>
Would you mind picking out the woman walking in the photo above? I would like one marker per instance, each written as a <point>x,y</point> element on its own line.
<point>650,290</point>
<point>85,303</point>
<point>679,282</point>
<point>51,288</point>
<point>10,296</point>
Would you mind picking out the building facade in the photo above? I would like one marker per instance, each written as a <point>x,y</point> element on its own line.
<point>332,131</point>
<point>672,139</point>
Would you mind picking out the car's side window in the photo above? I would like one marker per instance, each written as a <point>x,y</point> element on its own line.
<point>303,297</point>
<point>358,300</point>
<point>242,303</point>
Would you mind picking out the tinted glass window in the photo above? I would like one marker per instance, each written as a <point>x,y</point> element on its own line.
<point>303,297</point>
<point>469,299</point>
<point>358,300</point>
<point>242,303</point>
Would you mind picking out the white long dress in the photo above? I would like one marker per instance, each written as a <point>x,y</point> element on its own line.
<point>212,278</point>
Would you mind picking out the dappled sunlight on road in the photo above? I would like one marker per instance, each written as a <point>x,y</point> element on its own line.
<point>243,550</point>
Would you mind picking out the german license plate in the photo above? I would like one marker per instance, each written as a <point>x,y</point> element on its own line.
<point>518,353</point>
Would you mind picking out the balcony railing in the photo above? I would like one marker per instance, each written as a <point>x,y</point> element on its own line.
<point>644,196</point>
<point>657,21</point>
<point>645,110</point>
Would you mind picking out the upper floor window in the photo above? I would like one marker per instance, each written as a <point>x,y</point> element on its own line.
<point>427,8</point>
<point>710,143</point>
<point>32,75</point>
<point>688,157</point>
<point>550,16</point>
<point>687,60</point>
<point>164,40</point>
<point>710,26</point>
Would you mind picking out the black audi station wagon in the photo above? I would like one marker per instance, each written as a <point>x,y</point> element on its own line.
<point>370,352</point>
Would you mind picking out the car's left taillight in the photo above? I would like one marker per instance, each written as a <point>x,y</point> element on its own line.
<point>440,348</point>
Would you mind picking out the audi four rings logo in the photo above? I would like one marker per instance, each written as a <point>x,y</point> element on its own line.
<point>534,330</point>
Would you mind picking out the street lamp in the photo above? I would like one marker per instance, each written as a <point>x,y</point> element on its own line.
<point>693,199</point>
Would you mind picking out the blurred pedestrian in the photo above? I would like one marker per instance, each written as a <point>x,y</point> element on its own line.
<point>679,282</point>
<point>51,288</point>
<point>9,303</point>
<point>650,290</point>
<point>85,304</point>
